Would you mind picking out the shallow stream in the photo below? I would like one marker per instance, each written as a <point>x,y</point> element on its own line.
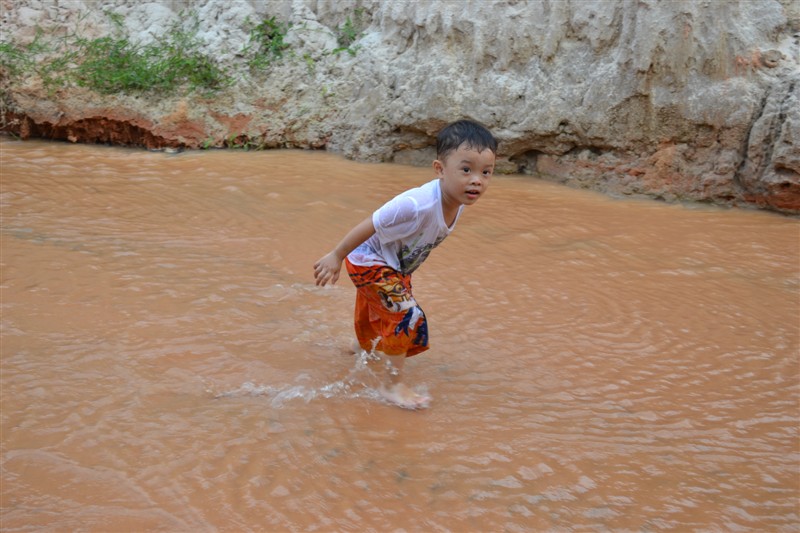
<point>596,364</point>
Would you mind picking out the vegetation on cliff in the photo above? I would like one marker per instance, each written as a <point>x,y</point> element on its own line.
<point>173,63</point>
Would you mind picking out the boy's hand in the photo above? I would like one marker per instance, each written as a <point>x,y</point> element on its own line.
<point>327,269</point>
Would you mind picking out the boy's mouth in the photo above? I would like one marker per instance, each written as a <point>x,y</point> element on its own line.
<point>473,193</point>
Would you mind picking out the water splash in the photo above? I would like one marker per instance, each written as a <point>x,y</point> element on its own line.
<point>360,382</point>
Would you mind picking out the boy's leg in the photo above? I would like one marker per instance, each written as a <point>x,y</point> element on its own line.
<point>366,327</point>
<point>393,388</point>
<point>386,311</point>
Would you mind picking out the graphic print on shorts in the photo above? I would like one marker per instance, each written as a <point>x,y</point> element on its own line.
<point>386,309</point>
<point>410,321</point>
<point>394,295</point>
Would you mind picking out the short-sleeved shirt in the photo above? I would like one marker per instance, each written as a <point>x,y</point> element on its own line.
<point>407,228</point>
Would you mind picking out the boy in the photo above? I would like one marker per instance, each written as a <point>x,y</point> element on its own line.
<point>383,250</point>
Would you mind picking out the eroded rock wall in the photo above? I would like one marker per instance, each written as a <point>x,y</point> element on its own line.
<point>693,100</point>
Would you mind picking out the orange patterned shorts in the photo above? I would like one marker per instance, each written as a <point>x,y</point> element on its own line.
<point>386,310</point>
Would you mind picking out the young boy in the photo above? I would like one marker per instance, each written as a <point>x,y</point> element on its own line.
<point>383,250</point>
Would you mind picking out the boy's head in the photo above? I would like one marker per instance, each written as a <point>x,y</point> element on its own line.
<point>465,153</point>
<point>464,132</point>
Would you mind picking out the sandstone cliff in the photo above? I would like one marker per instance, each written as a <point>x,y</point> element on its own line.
<point>691,100</point>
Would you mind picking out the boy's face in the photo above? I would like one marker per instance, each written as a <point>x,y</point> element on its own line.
<point>465,175</point>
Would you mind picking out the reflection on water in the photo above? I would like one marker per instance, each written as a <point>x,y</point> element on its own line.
<point>168,364</point>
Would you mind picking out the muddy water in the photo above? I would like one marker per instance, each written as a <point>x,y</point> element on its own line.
<point>168,364</point>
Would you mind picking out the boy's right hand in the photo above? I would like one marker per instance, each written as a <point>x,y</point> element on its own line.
<point>327,269</point>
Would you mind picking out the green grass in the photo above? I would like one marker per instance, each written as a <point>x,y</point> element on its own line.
<point>113,65</point>
<point>13,59</point>
<point>17,59</point>
<point>174,63</point>
<point>116,64</point>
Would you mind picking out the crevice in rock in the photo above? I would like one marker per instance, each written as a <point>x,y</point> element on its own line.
<point>526,161</point>
<point>775,128</point>
<point>738,180</point>
<point>761,179</point>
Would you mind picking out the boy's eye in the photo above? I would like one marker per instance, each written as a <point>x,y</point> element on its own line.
<point>465,170</point>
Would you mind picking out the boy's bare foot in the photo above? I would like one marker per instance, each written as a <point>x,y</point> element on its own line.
<point>402,396</point>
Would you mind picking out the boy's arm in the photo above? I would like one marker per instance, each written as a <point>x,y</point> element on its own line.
<point>328,267</point>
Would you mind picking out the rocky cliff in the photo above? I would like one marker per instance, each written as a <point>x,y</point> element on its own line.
<point>692,100</point>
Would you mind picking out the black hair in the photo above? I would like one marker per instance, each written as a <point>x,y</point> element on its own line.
<point>467,132</point>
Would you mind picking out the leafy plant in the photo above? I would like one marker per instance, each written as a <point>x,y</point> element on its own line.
<point>266,43</point>
<point>243,142</point>
<point>349,33</point>
<point>311,65</point>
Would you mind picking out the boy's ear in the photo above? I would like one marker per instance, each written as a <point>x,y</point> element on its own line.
<point>438,167</point>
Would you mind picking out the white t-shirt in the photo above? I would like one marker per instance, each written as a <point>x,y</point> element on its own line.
<point>407,228</point>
